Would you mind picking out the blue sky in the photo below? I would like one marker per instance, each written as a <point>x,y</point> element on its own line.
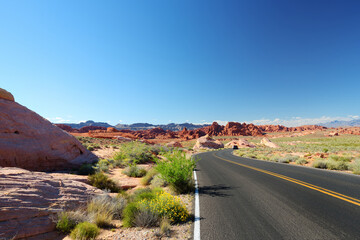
<point>288,62</point>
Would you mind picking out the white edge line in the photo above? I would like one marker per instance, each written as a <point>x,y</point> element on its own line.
<point>197,210</point>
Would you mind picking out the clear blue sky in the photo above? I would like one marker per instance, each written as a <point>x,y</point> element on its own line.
<point>176,61</point>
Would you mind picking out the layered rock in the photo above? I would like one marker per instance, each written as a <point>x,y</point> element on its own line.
<point>31,142</point>
<point>29,202</point>
<point>232,129</point>
<point>268,143</point>
<point>240,143</point>
<point>281,128</point>
<point>6,95</point>
<point>207,142</point>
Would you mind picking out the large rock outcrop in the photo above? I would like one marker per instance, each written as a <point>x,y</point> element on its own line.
<point>29,202</point>
<point>240,143</point>
<point>6,95</point>
<point>207,142</point>
<point>29,141</point>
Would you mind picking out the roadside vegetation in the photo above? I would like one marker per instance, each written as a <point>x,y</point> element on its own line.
<point>334,153</point>
<point>163,173</point>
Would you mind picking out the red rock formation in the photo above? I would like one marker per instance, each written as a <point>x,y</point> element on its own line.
<point>232,129</point>
<point>349,130</point>
<point>207,142</point>
<point>30,200</point>
<point>281,128</point>
<point>31,142</point>
<point>66,128</point>
<point>91,128</point>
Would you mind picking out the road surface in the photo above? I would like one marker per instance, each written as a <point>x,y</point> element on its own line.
<point>251,199</point>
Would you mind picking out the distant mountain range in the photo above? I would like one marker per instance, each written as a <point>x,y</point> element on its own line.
<point>87,123</point>
<point>138,126</point>
<point>335,124</point>
<point>170,126</point>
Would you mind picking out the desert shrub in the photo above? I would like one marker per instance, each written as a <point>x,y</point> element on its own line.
<point>301,161</point>
<point>100,180</point>
<point>86,169</point>
<point>177,171</point>
<point>134,171</point>
<point>355,166</point>
<point>103,165</point>
<point>145,217</point>
<point>336,165</point>
<point>291,158</point>
<point>106,204</point>
<point>158,181</point>
<point>149,176</point>
<point>166,205</point>
<point>275,158</point>
<point>319,163</point>
<point>340,158</point>
<point>325,150</point>
<point>149,206</point>
<point>90,148</point>
<point>283,160</point>
<point>85,230</point>
<point>66,221</point>
<point>165,227</point>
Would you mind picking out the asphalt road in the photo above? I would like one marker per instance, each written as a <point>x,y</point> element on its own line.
<point>274,200</point>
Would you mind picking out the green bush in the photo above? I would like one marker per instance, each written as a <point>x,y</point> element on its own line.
<point>177,170</point>
<point>149,176</point>
<point>336,165</point>
<point>84,231</point>
<point>134,171</point>
<point>86,169</point>
<point>90,148</point>
<point>103,165</point>
<point>355,166</point>
<point>100,180</point>
<point>340,158</point>
<point>67,221</point>
<point>301,161</point>
<point>283,160</point>
<point>104,208</point>
<point>291,158</point>
<point>158,181</point>
<point>319,163</point>
<point>129,214</point>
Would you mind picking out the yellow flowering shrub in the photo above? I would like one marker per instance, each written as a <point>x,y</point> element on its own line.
<point>164,204</point>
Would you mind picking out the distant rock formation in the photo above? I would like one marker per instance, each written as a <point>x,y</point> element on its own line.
<point>232,129</point>
<point>174,144</point>
<point>268,143</point>
<point>31,142</point>
<point>30,200</point>
<point>206,142</point>
<point>337,123</point>
<point>171,126</point>
<point>240,143</point>
<point>281,128</point>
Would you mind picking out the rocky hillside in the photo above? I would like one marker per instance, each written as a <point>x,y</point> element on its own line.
<point>281,128</point>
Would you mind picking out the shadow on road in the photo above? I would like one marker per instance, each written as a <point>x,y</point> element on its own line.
<point>215,190</point>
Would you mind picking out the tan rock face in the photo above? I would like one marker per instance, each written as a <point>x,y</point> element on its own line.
<point>6,95</point>
<point>206,142</point>
<point>268,143</point>
<point>31,142</point>
<point>240,143</point>
<point>29,201</point>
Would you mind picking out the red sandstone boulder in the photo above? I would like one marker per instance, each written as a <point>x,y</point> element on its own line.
<point>29,202</point>
<point>111,129</point>
<point>268,143</point>
<point>6,95</point>
<point>31,142</point>
<point>207,142</point>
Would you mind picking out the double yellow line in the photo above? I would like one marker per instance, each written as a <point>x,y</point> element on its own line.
<point>305,184</point>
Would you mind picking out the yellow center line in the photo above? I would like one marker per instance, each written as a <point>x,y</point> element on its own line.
<point>305,184</point>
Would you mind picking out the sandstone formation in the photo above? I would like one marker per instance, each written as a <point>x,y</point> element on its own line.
<point>268,143</point>
<point>280,128</point>
<point>174,144</point>
<point>31,142</point>
<point>240,143</point>
<point>6,95</point>
<point>232,129</point>
<point>207,142</point>
<point>350,130</point>
<point>29,202</point>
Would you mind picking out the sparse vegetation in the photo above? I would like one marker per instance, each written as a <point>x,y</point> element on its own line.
<point>355,166</point>
<point>100,180</point>
<point>146,180</point>
<point>134,152</point>
<point>134,171</point>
